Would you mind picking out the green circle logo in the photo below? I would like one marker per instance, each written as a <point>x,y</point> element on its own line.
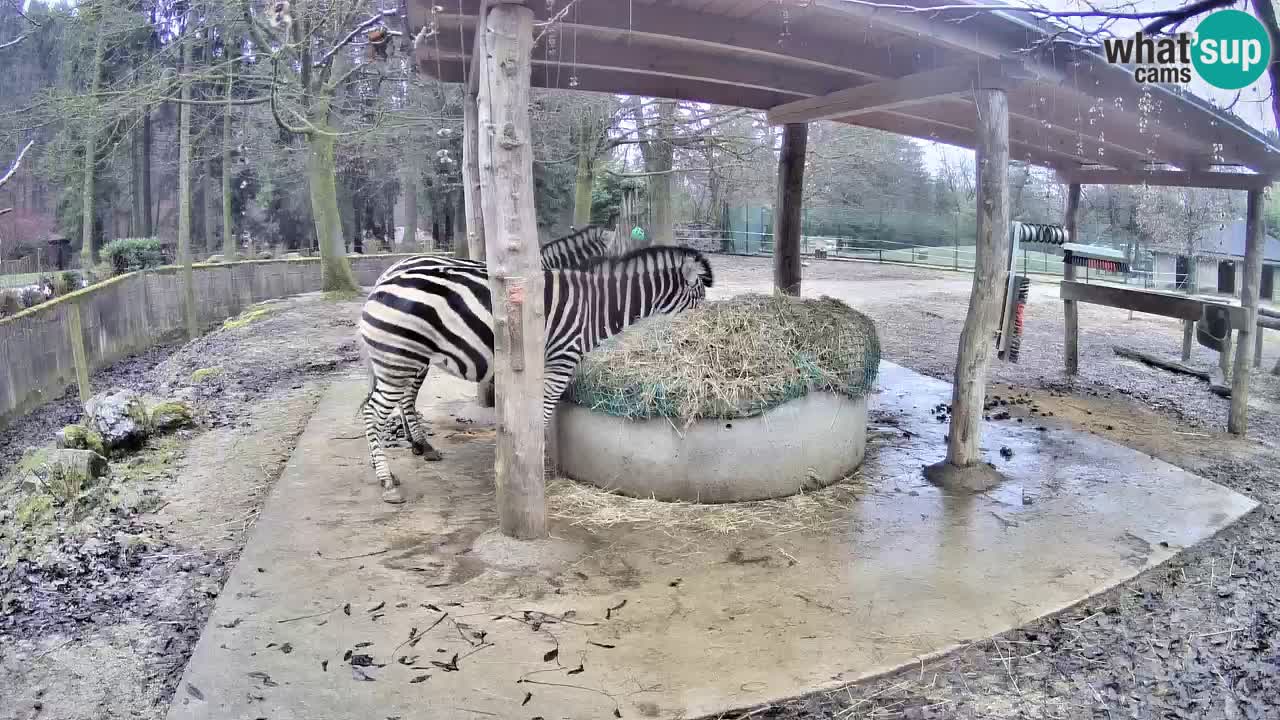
<point>1232,49</point>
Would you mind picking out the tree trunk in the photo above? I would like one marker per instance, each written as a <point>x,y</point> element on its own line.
<point>337,275</point>
<point>471,199</point>
<point>515,269</point>
<point>89,253</point>
<point>210,209</point>
<point>662,154</point>
<point>786,249</point>
<point>409,185</point>
<point>148,206</point>
<point>990,275</point>
<point>229,241</point>
<point>138,209</point>
<point>184,197</point>
<point>585,179</point>
<point>1071,313</point>
<point>1255,239</point>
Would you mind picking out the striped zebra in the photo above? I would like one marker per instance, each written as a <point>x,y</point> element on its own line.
<point>442,314</point>
<point>572,250</point>
<point>569,251</point>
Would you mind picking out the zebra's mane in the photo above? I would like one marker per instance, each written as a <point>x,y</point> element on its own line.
<point>575,234</point>
<point>675,257</point>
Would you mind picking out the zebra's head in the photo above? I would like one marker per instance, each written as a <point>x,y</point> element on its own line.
<point>695,270</point>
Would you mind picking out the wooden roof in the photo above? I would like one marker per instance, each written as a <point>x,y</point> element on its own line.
<point>1069,109</point>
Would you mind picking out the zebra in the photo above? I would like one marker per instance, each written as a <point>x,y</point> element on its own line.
<point>568,251</point>
<point>442,314</point>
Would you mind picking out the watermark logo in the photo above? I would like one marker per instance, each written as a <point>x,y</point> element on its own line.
<point>1230,49</point>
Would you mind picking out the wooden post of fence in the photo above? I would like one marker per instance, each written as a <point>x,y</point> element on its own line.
<point>515,268</point>
<point>1070,311</point>
<point>1255,237</point>
<point>472,197</point>
<point>964,467</point>
<point>786,227</point>
<point>1257,349</point>
<point>75,335</point>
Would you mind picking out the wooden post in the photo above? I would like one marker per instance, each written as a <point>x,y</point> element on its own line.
<point>75,334</point>
<point>787,226</point>
<point>1188,332</point>
<point>515,269</point>
<point>1071,312</point>
<point>472,198</point>
<point>964,467</point>
<point>1255,237</point>
<point>1257,349</point>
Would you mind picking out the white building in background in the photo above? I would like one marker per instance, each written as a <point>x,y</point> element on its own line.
<point>1218,264</point>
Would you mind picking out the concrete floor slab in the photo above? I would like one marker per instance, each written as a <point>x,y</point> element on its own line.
<point>644,621</point>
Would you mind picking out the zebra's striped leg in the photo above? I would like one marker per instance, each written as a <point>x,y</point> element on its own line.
<point>412,423</point>
<point>376,411</point>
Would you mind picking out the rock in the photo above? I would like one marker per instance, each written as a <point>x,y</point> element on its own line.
<point>63,473</point>
<point>79,437</point>
<point>171,415</point>
<point>293,256</point>
<point>215,259</point>
<point>120,418</point>
<point>265,255</point>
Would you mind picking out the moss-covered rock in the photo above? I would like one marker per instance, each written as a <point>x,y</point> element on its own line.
<point>34,510</point>
<point>79,437</point>
<point>171,415</point>
<point>203,374</point>
<point>120,418</point>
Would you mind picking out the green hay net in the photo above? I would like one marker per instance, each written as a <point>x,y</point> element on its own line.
<point>730,359</point>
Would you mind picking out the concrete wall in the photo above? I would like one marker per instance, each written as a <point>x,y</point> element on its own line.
<point>133,312</point>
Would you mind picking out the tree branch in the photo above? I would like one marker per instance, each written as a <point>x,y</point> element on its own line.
<point>16,164</point>
<point>1267,14</point>
<point>15,41</point>
<point>352,36</point>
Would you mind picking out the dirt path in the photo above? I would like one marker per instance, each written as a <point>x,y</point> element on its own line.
<point>100,623</point>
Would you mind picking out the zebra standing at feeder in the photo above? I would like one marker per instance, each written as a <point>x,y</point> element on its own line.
<point>443,314</point>
<point>569,251</point>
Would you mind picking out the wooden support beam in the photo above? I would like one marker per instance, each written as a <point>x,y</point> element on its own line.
<point>1166,178</point>
<point>1071,313</point>
<point>786,228</point>
<point>895,93</point>
<point>515,271</point>
<point>472,200</point>
<point>989,276</point>
<point>1255,239</point>
<point>1171,305</point>
<point>1161,363</point>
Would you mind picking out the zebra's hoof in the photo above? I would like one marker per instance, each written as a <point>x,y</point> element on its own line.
<point>393,495</point>
<point>431,454</point>
<point>419,448</point>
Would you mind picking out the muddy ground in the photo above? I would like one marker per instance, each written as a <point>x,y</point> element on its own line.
<point>101,624</point>
<point>100,611</point>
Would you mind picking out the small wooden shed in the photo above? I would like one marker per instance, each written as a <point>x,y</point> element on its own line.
<point>1003,83</point>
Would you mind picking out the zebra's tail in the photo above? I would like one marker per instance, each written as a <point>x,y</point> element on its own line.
<point>368,366</point>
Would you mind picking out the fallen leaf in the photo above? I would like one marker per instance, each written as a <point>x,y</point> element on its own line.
<point>194,692</point>
<point>286,648</point>
<point>324,665</point>
<point>361,660</point>
<point>419,679</point>
<point>527,697</point>
<point>576,670</point>
<point>603,645</point>
<point>231,624</point>
<point>551,655</point>
<point>346,609</point>
<point>363,645</point>
<point>378,607</point>
<point>361,675</point>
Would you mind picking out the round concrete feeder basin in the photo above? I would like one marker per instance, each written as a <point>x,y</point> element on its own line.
<point>803,444</point>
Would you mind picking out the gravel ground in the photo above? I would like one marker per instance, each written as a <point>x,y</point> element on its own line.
<point>1196,638</point>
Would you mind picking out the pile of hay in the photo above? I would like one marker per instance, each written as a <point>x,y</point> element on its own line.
<point>731,359</point>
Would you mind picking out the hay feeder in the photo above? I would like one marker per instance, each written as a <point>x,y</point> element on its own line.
<point>750,398</point>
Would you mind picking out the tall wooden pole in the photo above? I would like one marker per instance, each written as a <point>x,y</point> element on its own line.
<point>964,467</point>
<point>472,199</point>
<point>515,269</point>
<point>1255,234</point>
<point>1071,338</point>
<point>786,225</point>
